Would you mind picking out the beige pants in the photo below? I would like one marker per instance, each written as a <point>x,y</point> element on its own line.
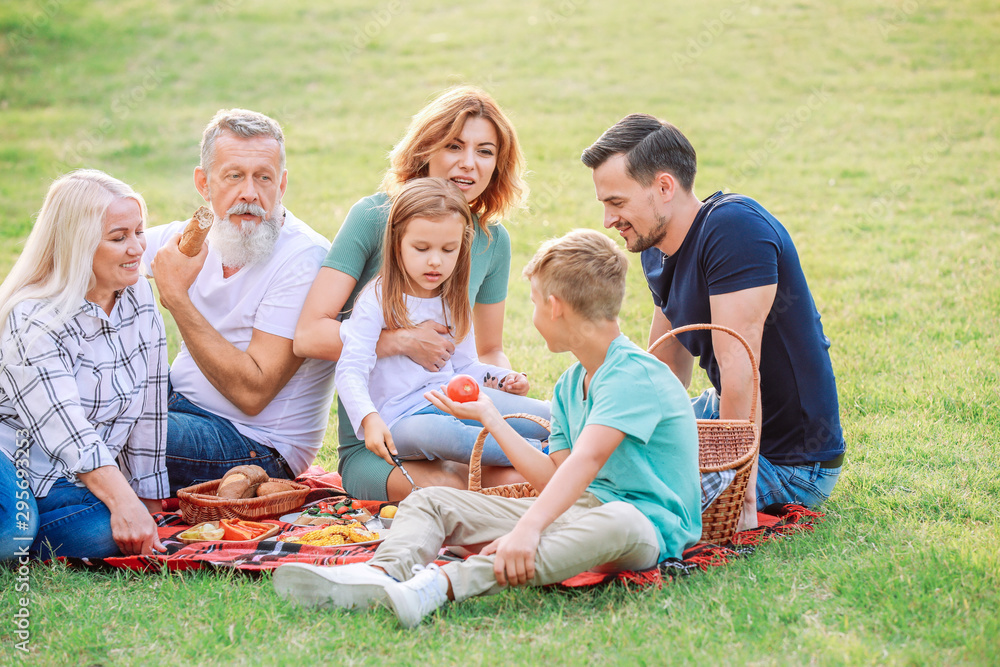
<point>608,537</point>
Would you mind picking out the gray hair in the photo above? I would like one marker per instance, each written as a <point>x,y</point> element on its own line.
<point>243,123</point>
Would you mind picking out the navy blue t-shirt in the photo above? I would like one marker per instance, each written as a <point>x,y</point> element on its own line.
<point>735,244</point>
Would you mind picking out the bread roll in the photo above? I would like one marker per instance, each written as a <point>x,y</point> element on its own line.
<point>267,488</point>
<point>241,482</point>
<point>197,229</point>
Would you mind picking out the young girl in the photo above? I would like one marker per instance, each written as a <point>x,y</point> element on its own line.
<point>424,276</point>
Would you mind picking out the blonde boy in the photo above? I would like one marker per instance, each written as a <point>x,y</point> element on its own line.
<point>619,489</point>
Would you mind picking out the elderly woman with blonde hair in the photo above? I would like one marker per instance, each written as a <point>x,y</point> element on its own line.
<point>83,380</point>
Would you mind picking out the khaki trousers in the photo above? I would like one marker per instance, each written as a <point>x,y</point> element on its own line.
<point>607,537</point>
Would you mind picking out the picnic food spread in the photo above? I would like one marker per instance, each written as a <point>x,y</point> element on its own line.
<point>236,530</point>
<point>346,517</point>
<point>203,531</point>
<point>334,535</point>
<point>328,513</point>
<point>196,230</point>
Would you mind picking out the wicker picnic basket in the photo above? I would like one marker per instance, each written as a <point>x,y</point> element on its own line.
<point>522,490</point>
<point>725,444</point>
<point>199,503</point>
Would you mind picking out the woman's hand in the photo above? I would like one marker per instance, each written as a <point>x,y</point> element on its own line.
<point>515,383</point>
<point>428,344</point>
<point>378,439</point>
<point>134,529</point>
<point>153,505</point>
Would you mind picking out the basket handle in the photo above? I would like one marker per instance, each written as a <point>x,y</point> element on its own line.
<point>475,461</point>
<point>716,327</point>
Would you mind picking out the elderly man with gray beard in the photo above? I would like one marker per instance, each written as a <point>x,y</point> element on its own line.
<point>238,394</point>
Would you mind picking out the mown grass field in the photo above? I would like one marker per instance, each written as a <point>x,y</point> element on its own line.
<point>869,129</point>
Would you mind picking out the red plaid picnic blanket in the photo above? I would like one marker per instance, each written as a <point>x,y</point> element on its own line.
<point>777,521</point>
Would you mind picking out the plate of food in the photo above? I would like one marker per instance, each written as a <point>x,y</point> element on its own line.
<point>336,535</point>
<point>228,530</point>
<point>325,513</point>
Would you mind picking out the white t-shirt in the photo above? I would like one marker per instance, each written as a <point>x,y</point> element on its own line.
<point>267,297</point>
<point>395,386</point>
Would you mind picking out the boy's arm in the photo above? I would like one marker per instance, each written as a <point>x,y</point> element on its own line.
<point>536,467</point>
<point>515,552</point>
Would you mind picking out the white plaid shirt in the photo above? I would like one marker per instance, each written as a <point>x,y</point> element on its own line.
<point>92,393</point>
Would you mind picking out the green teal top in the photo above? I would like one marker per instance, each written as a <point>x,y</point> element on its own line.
<point>357,251</point>
<point>655,468</point>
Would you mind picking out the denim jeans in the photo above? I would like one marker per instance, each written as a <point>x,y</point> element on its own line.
<point>18,513</point>
<point>73,522</point>
<point>202,446</point>
<point>808,484</point>
<point>433,434</point>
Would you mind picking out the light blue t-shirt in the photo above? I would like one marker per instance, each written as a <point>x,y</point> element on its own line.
<point>655,468</point>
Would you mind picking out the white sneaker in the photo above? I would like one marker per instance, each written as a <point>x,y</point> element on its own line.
<point>351,586</point>
<point>418,596</point>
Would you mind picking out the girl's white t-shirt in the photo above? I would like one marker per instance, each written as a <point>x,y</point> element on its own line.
<point>395,386</point>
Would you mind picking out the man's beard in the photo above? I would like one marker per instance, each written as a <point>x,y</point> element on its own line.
<point>655,235</point>
<point>247,243</point>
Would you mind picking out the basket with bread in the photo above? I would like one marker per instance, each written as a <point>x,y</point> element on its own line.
<point>244,492</point>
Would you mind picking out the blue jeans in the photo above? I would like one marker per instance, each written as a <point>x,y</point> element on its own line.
<point>808,484</point>
<point>202,446</point>
<point>73,522</point>
<point>433,434</point>
<point>18,512</point>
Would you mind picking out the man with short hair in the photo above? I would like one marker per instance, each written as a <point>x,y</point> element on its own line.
<point>726,261</point>
<point>239,394</point>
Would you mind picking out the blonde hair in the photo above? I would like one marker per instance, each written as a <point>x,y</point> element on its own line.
<point>585,269</point>
<point>432,199</point>
<point>57,264</point>
<point>440,122</point>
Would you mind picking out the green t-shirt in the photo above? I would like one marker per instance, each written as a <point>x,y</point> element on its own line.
<point>357,251</point>
<point>655,468</point>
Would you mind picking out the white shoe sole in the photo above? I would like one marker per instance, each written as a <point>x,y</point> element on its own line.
<point>315,586</point>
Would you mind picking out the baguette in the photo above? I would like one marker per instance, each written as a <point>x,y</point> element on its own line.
<point>197,229</point>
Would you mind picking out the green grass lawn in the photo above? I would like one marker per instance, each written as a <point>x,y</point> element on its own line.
<point>869,129</point>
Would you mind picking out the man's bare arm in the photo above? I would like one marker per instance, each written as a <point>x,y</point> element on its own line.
<point>248,379</point>
<point>670,352</point>
<point>745,312</point>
